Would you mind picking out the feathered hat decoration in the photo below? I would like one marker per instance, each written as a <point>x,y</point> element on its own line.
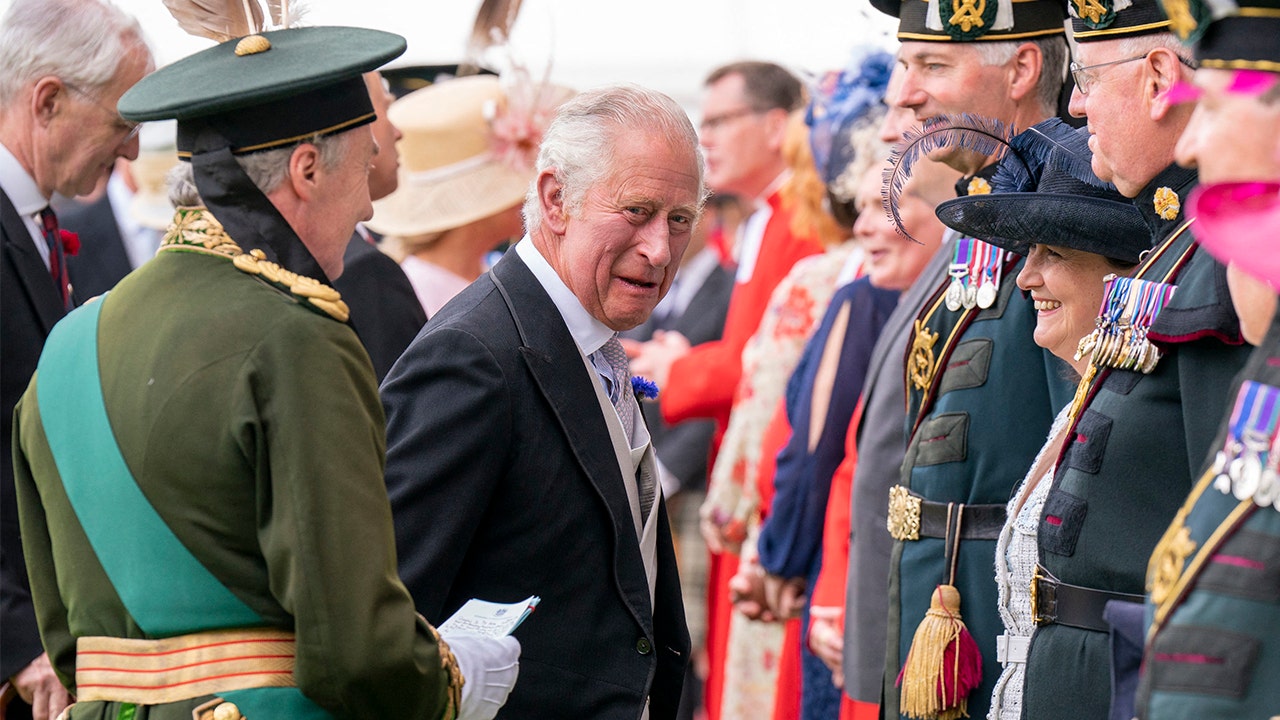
<point>1022,157</point>
<point>492,28</point>
<point>1050,142</point>
<point>223,20</point>
<point>975,133</point>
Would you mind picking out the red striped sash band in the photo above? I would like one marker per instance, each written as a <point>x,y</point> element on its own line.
<point>150,672</point>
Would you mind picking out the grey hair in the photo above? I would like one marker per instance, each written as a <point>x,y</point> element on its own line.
<point>82,42</point>
<point>1136,45</point>
<point>1053,65</point>
<point>578,145</point>
<point>266,169</point>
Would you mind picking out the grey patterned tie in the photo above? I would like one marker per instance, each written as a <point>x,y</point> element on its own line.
<point>620,394</point>
<point>613,354</point>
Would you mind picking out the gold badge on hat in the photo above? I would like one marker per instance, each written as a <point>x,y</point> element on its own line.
<point>922,365</point>
<point>968,14</point>
<point>1096,14</point>
<point>1167,203</point>
<point>1181,20</point>
<point>978,186</point>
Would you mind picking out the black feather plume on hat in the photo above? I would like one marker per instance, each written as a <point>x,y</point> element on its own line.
<point>1050,142</point>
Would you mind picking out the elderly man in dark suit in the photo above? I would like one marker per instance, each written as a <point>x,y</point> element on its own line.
<point>63,66</point>
<point>518,460</point>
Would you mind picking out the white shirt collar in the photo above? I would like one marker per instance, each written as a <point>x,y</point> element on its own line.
<point>19,186</point>
<point>589,333</point>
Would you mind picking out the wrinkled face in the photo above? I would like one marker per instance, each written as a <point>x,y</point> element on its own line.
<point>341,200</point>
<point>85,134</point>
<point>1233,135</point>
<point>382,176</point>
<point>1066,287</point>
<point>892,261</point>
<point>621,248</point>
<point>741,153</point>
<point>1117,117</point>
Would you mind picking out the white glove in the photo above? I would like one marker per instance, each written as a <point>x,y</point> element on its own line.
<point>489,666</point>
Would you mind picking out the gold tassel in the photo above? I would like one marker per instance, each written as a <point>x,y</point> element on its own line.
<point>935,686</point>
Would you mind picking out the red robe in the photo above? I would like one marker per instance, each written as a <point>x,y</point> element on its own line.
<point>702,385</point>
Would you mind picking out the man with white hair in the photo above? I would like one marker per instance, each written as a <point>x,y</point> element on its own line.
<point>63,66</point>
<point>518,462</point>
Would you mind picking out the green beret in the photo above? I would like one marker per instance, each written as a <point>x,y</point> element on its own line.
<point>267,90</point>
<point>974,20</point>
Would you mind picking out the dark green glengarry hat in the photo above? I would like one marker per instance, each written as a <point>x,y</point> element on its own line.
<point>974,20</point>
<point>267,90</point>
<point>1229,34</point>
<point>1097,20</point>
<point>255,93</point>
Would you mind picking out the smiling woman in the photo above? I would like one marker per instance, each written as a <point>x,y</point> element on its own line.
<point>1074,234</point>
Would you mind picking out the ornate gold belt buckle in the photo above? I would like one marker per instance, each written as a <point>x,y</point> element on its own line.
<point>904,514</point>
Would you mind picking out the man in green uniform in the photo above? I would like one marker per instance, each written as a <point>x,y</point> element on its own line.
<point>980,392</point>
<point>200,455</point>
<point>1213,602</point>
<point>1162,358</point>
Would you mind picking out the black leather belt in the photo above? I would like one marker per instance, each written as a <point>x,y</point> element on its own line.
<point>1053,601</point>
<point>911,517</point>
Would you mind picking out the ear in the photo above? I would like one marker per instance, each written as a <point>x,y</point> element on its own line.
<point>555,215</point>
<point>1024,72</point>
<point>305,171</point>
<point>1163,71</point>
<point>48,97</point>
<point>775,125</point>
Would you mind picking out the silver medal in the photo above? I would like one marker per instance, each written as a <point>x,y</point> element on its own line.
<point>1246,483</point>
<point>955,295</point>
<point>987,294</point>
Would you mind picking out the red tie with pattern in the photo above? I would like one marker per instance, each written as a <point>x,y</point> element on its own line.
<point>57,257</point>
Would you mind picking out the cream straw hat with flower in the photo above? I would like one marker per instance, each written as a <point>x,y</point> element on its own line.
<point>467,152</point>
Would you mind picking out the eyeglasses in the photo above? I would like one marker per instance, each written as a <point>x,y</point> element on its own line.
<point>131,129</point>
<point>716,121</point>
<point>1086,81</point>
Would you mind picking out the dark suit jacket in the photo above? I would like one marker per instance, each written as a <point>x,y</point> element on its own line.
<point>29,306</point>
<point>385,312</point>
<point>504,484</point>
<point>102,260</point>
<point>684,448</point>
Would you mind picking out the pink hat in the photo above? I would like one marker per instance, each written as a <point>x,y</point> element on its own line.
<point>1240,223</point>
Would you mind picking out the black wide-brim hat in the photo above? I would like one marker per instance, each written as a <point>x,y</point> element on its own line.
<point>959,21</point>
<point>1016,221</point>
<point>267,90</point>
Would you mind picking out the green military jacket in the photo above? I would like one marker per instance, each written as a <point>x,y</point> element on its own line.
<point>1130,456</point>
<point>1213,606</point>
<point>981,396</point>
<point>251,422</point>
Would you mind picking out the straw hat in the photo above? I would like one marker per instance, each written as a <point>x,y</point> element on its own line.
<point>467,152</point>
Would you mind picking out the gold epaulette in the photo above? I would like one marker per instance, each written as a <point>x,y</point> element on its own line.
<point>195,229</point>
<point>307,290</point>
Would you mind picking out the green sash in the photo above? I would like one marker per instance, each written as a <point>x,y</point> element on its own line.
<point>162,585</point>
